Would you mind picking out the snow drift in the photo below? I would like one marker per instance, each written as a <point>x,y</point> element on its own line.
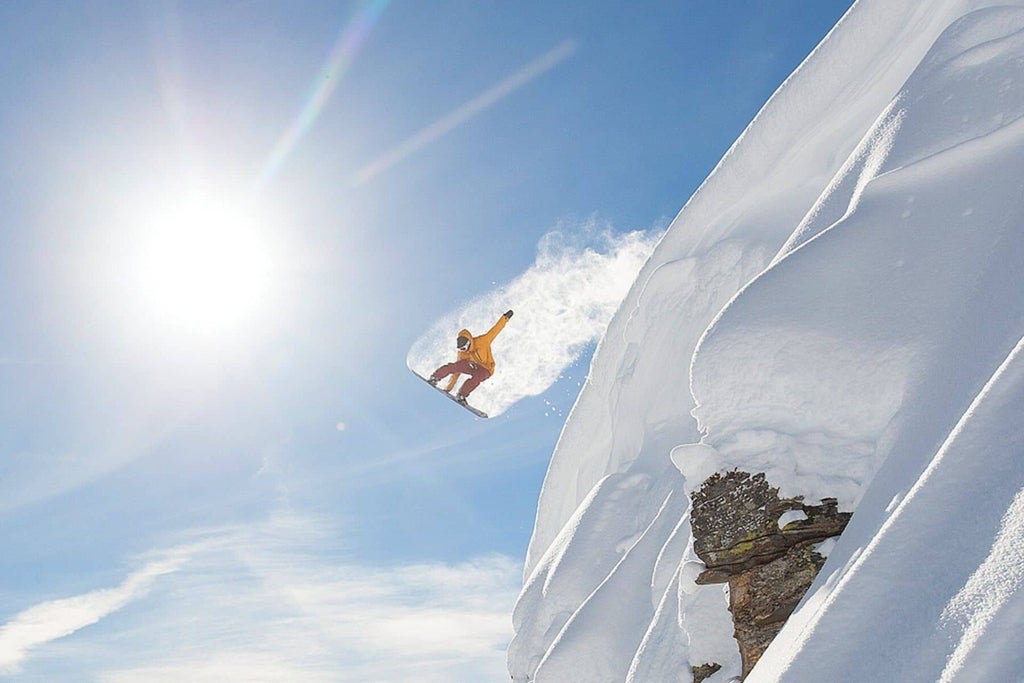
<point>838,306</point>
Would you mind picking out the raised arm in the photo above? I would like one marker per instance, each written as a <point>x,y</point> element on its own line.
<point>498,327</point>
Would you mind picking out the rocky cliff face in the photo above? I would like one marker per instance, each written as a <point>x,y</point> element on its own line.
<point>763,546</point>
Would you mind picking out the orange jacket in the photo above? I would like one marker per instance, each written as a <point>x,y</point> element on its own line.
<point>480,347</point>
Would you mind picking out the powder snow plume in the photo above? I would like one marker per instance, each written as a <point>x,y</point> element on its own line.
<point>562,304</point>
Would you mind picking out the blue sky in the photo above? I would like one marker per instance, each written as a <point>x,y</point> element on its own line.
<point>180,434</point>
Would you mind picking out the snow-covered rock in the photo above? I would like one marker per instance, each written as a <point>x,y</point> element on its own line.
<point>838,307</point>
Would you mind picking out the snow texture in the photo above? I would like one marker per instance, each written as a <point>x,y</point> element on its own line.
<point>837,306</point>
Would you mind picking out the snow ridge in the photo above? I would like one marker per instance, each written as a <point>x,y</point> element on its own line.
<point>837,306</point>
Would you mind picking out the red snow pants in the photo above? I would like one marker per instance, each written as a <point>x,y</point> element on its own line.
<point>477,373</point>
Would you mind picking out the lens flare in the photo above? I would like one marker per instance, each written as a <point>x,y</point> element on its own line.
<point>347,46</point>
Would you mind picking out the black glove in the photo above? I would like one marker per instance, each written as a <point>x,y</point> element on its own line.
<point>508,314</point>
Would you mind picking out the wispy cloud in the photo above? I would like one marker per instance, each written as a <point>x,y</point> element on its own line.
<point>55,619</point>
<point>467,111</point>
<point>28,361</point>
<point>562,304</point>
<point>266,602</point>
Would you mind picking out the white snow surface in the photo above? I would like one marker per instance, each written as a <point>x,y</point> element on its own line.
<point>839,306</point>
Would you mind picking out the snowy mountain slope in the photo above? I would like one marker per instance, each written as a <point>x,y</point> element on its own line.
<point>935,594</point>
<point>846,282</point>
<point>727,232</point>
<point>852,322</point>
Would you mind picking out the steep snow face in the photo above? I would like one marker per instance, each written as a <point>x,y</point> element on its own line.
<point>840,296</point>
<point>743,214</point>
<point>803,372</point>
<point>935,594</point>
<point>933,237</point>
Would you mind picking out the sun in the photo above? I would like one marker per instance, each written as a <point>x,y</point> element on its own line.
<point>203,266</point>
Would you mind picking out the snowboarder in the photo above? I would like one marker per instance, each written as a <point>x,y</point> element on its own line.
<point>474,359</point>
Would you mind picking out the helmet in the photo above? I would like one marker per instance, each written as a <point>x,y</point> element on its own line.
<point>462,343</point>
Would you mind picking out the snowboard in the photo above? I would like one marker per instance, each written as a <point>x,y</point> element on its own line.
<point>475,411</point>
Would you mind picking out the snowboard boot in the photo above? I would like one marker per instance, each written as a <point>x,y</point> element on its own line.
<point>459,398</point>
<point>433,382</point>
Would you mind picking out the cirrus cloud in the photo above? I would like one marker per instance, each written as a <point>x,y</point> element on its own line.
<point>268,602</point>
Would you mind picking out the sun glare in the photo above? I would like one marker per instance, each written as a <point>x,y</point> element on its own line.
<point>203,267</point>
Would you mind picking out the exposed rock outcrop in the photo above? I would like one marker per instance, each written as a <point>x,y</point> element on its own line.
<point>705,671</point>
<point>737,534</point>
